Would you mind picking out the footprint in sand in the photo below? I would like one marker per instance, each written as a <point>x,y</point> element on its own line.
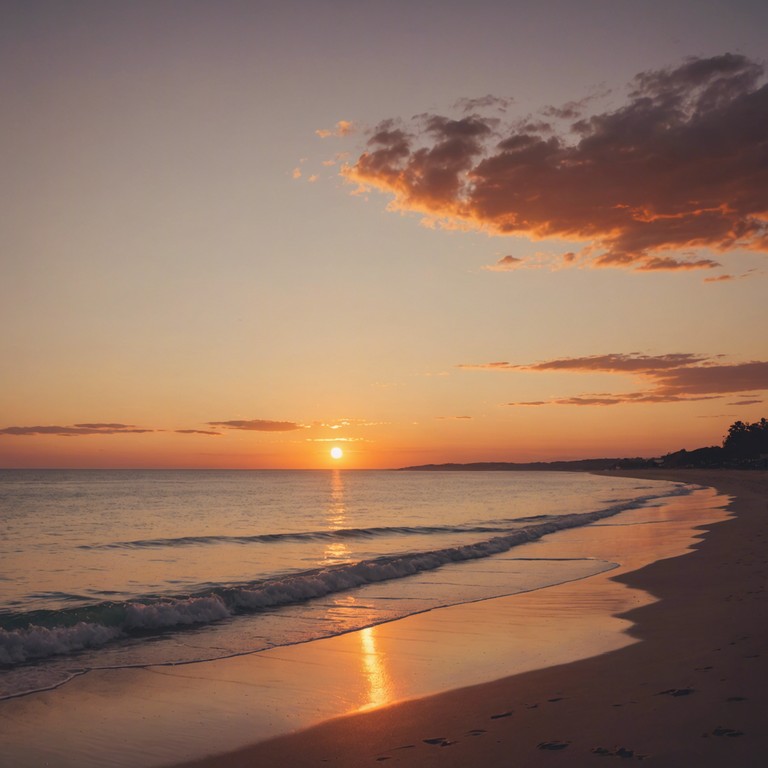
<point>500,715</point>
<point>439,741</point>
<point>553,745</point>
<point>720,731</point>
<point>625,752</point>
<point>677,692</point>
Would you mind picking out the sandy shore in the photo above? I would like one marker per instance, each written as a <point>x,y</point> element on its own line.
<point>690,692</point>
<point>664,663</point>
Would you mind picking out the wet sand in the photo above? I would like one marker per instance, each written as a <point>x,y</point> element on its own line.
<point>690,692</point>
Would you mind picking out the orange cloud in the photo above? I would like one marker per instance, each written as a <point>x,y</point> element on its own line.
<point>257,425</point>
<point>342,128</point>
<point>673,378</point>
<point>336,440</point>
<point>680,165</point>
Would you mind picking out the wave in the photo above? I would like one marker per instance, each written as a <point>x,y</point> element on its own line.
<point>496,526</point>
<point>41,634</point>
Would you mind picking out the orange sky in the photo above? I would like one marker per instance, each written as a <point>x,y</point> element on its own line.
<point>235,238</point>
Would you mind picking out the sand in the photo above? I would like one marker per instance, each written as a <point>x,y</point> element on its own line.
<point>691,692</point>
<point>663,662</point>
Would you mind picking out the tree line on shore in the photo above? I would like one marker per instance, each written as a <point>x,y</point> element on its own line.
<point>745,445</point>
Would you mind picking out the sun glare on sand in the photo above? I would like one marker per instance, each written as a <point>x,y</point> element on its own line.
<point>336,452</point>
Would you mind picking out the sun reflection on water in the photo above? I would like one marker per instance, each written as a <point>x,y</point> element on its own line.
<point>337,510</point>
<point>336,552</point>
<point>346,612</point>
<point>375,671</point>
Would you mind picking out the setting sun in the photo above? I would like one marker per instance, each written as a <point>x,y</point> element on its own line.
<point>336,452</point>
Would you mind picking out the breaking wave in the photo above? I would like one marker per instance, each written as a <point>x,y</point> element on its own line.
<point>40,634</point>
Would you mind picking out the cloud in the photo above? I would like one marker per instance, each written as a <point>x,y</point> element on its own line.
<point>568,111</point>
<point>257,425</point>
<point>671,378</point>
<point>453,418</point>
<point>505,264</point>
<point>77,429</point>
<point>629,397</point>
<point>659,263</point>
<point>101,428</point>
<point>342,128</point>
<point>680,166</point>
<point>196,432</point>
<point>336,440</point>
<point>746,402</point>
<point>722,379</point>
<point>611,363</point>
<point>342,423</point>
<point>488,101</point>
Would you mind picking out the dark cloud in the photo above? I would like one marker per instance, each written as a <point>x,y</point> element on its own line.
<point>721,379</point>
<point>667,263</point>
<point>613,363</point>
<point>77,429</point>
<point>672,378</point>
<point>505,264</point>
<point>571,110</point>
<point>683,164</point>
<point>196,432</point>
<point>746,402</point>
<point>482,102</point>
<point>257,425</point>
<point>629,397</point>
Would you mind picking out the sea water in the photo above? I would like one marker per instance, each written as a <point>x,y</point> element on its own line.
<point>105,569</point>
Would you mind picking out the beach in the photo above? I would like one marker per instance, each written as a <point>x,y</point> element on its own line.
<point>691,692</point>
<point>662,662</point>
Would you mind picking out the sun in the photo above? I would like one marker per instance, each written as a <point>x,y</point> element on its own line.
<point>336,452</point>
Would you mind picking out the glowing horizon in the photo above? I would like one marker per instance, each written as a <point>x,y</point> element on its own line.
<point>235,241</point>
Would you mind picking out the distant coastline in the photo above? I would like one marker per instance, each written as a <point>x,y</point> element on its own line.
<point>581,465</point>
<point>744,447</point>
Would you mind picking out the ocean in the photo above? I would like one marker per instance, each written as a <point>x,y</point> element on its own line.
<point>108,569</point>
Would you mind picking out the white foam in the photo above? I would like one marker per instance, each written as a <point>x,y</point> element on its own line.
<point>193,610</point>
<point>36,642</point>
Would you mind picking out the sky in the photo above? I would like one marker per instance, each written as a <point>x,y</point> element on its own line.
<point>239,234</point>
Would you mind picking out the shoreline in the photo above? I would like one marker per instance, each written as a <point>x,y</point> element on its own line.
<point>689,692</point>
<point>375,693</point>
